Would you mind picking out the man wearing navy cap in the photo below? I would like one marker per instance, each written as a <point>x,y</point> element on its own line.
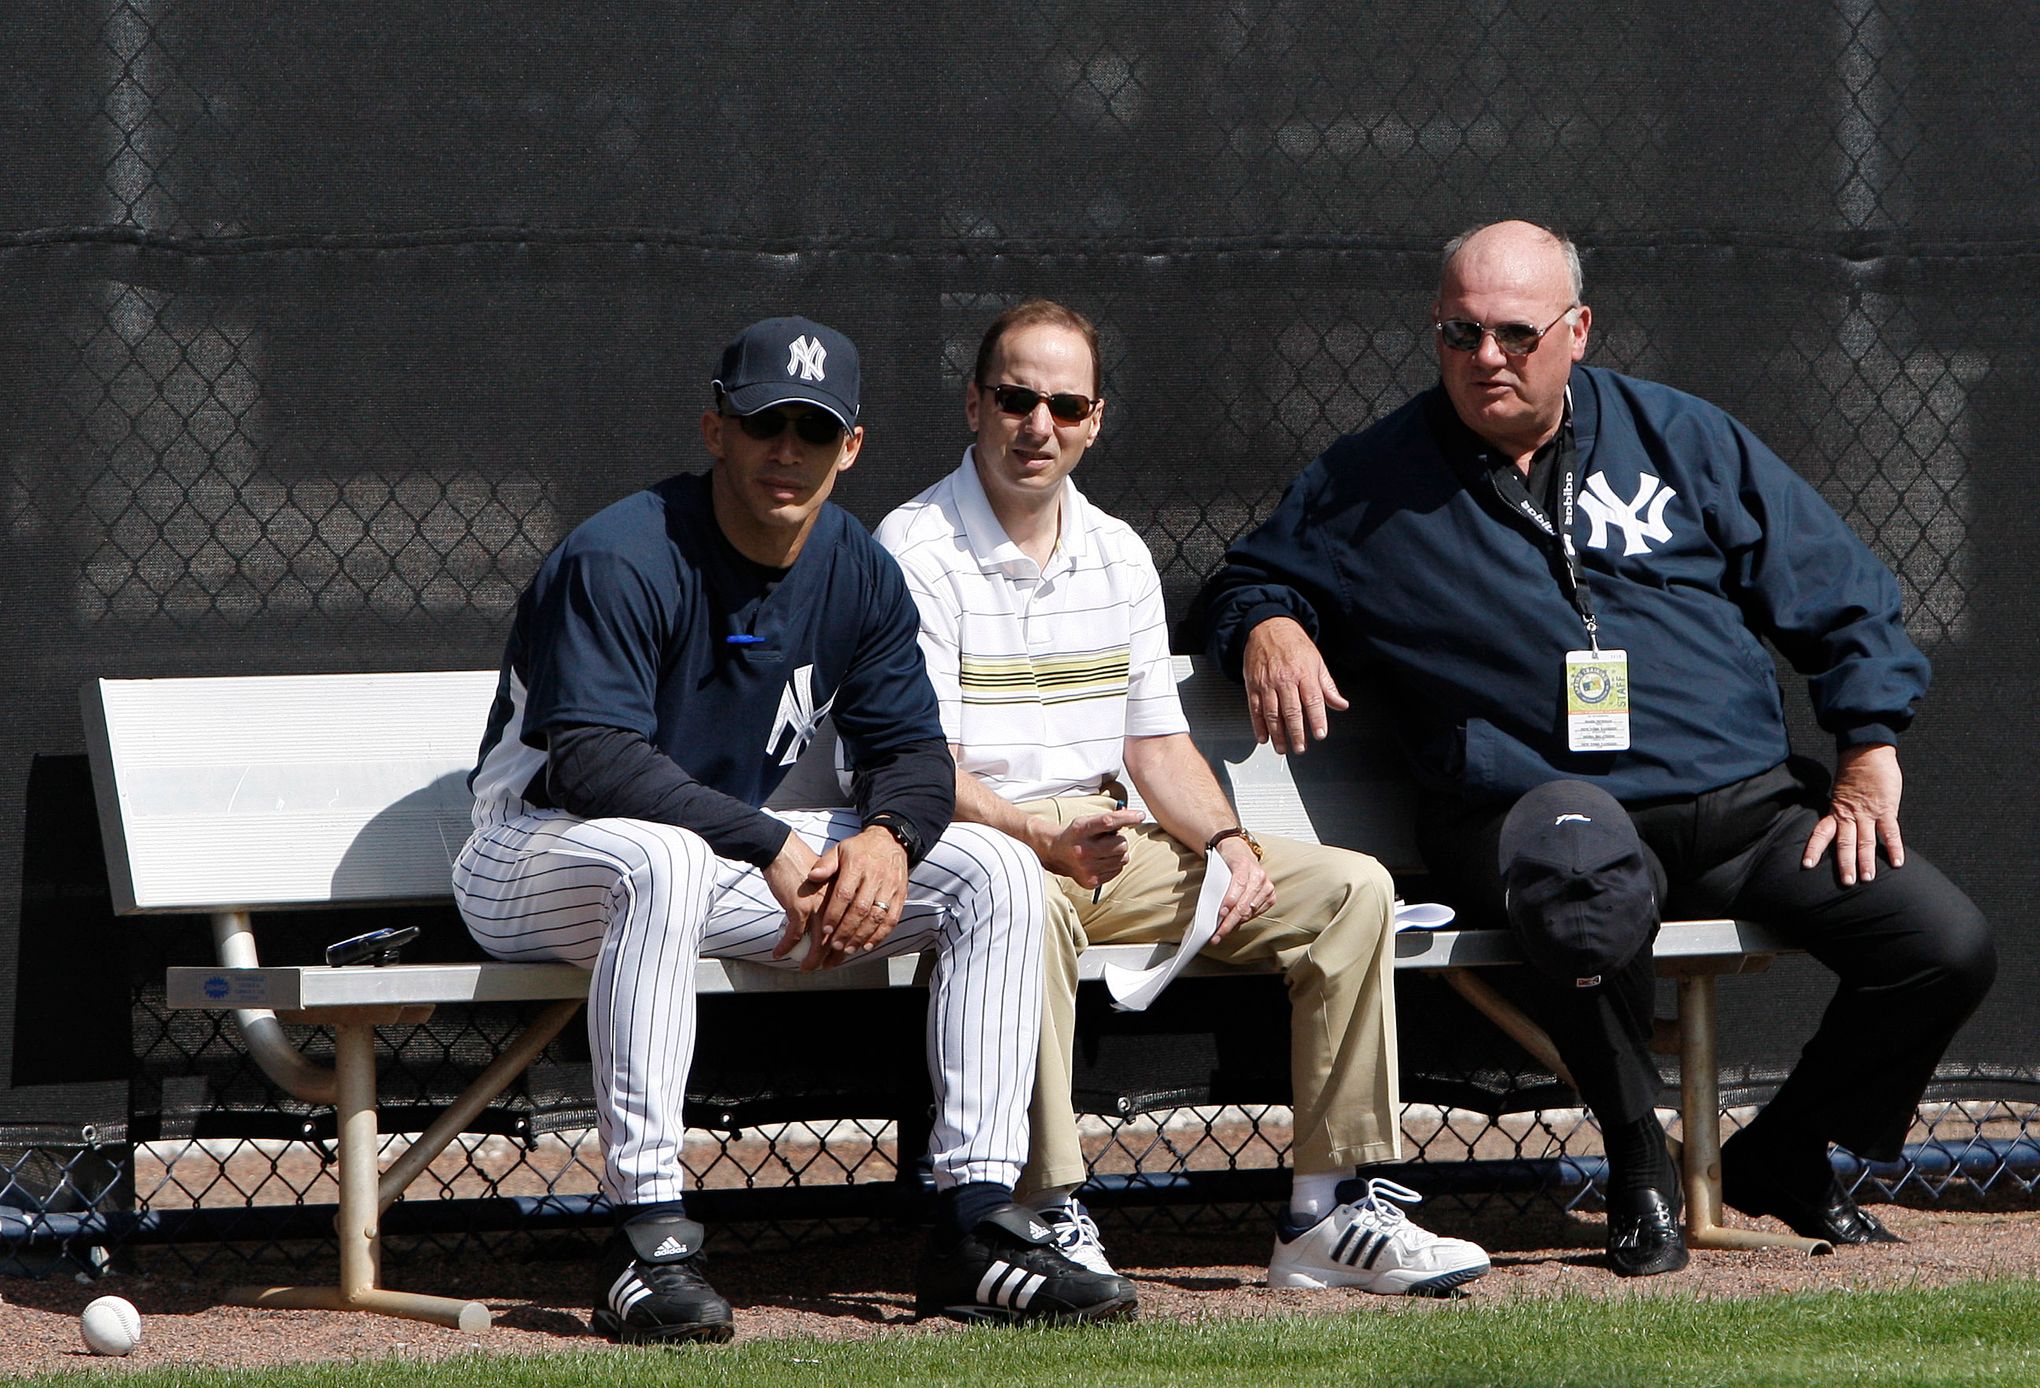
<point>1563,574</point>
<point>665,669</point>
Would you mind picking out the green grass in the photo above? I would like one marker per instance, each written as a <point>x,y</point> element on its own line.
<point>1978,1333</point>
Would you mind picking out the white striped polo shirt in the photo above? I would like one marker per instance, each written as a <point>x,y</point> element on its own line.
<point>1041,674</point>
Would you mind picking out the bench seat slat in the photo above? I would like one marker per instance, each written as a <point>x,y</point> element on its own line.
<point>292,988</point>
<point>307,987</point>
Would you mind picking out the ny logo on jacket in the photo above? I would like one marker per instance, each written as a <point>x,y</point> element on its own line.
<point>1641,520</point>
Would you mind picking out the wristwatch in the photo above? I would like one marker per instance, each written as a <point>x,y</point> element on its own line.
<point>903,832</point>
<point>1238,831</point>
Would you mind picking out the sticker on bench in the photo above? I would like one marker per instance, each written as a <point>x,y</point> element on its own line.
<point>237,989</point>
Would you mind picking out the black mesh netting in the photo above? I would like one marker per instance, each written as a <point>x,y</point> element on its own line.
<point>318,329</point>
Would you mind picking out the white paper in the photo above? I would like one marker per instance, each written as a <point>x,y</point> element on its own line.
<point>1421,915</point>
<point>1133,989</point>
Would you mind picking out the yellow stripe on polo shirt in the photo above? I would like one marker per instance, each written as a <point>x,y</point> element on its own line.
<point>1055,679</point>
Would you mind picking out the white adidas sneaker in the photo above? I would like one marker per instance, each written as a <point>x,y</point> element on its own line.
<point>1369,1243</point>
<point>1075,1235</point>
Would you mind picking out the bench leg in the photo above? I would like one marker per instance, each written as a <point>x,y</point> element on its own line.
<point>1700,1097</point>
<point>1514,1022</point>
<point>357,1223</point>
<point>514,1059</point>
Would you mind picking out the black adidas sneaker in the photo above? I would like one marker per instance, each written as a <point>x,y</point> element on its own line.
<point>1007,1270</point>
<point>655,1290</point>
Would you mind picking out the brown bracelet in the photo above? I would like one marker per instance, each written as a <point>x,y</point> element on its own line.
<point>1238,831</point>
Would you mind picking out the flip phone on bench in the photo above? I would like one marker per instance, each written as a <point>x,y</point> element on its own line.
<point>376,947</point>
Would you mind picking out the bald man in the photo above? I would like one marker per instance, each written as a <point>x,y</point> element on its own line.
<point>1564,578</point>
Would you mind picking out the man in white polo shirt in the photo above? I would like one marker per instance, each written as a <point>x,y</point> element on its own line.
<point>1043,627</point>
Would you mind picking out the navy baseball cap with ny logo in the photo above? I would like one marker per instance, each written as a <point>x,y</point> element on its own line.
<point>789,360</point>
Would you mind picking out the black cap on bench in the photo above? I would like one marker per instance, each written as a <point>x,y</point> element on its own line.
<point>1579,890</point>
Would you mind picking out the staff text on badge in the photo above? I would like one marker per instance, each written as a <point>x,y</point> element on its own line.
<point>1597,701</point>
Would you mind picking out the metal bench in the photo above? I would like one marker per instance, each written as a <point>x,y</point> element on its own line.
<point>232,797</point>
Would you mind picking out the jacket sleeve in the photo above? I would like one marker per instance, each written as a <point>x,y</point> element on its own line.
<point>1828,604</point>
<point>1281,569</point>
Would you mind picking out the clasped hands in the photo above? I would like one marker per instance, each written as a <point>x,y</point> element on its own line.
<point>844,901</point>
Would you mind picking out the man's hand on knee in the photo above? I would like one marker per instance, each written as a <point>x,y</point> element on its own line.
<point>1864,801</point>
<point>1249,894</point>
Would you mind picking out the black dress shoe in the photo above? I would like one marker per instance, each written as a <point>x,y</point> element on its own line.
<point>1816,1209</point>
<point>1644,1237</point>
<point>1830,1215</point>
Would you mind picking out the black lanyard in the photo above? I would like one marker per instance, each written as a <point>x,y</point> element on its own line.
<point>1515,496</point>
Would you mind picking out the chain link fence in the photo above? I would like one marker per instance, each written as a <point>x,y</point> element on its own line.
<point>318,331</point>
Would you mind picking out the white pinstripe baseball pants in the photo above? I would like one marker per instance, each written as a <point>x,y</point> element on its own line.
<point>638,903</point>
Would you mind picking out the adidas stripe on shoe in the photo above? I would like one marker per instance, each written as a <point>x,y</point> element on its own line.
<point>1369,1243</point>
<point>1009,1287</point>
<point>1007,1270</point>
<point>654,1286</point>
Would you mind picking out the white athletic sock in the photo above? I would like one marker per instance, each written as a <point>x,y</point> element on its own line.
<point>1314,1194</point>
<point>1050,1198</point>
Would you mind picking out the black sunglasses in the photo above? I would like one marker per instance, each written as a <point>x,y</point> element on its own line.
<point>1515,339</point>
<point>1065,406</point>
<point>810,426</point>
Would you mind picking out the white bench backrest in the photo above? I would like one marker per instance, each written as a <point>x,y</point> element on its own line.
<point>1352,790</point>
<point>297,790</point>
<point>271,791</point>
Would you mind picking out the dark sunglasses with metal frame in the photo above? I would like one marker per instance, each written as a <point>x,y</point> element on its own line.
<point>1515,339</point>
<point>1065,406</point>
<point>811,426</point>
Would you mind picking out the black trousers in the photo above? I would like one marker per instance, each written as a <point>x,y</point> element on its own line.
<point>1912,954</point>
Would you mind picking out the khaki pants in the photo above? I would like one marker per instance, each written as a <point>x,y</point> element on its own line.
<point>1331,933</point>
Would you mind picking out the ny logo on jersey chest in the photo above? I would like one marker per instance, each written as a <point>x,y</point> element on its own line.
<point>794,727</point>
<point>1641,520</point>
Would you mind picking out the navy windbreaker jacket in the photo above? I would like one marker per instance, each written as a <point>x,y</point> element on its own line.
<point>1393,552</point>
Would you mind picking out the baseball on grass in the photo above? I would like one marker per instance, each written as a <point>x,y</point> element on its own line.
<point>111,1325</point>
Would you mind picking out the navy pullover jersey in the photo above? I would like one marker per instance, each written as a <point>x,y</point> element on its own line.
<point>646,618</point>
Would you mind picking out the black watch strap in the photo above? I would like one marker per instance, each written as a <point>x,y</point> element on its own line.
<point>902,831</point>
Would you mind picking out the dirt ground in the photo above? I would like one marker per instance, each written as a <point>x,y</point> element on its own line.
<point>848,1285</point>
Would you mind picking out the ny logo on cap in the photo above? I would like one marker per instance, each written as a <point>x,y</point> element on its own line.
<point>806,358</point>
